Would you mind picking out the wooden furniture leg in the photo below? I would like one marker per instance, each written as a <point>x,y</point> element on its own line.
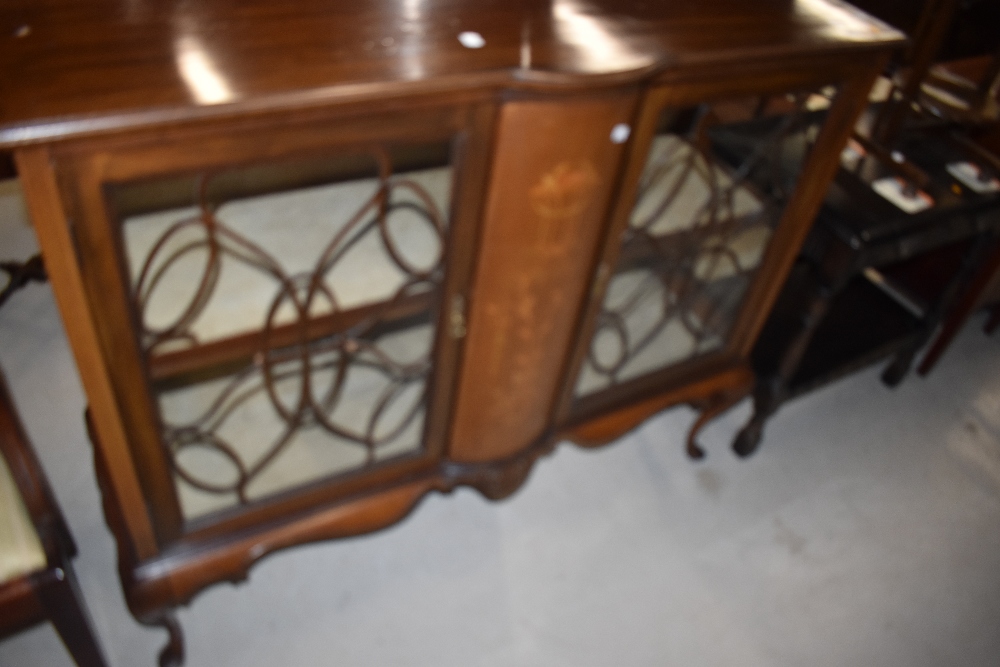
<point>172,653</point>
<point>966,304</point>
<point>766,399</point>
<point>977,258</point>
<point>44,585</point>
<point>59,593</point>
<point>772,390</point>
<point>710,409</point>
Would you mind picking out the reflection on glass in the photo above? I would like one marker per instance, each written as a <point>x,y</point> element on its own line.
<point>715,183</point>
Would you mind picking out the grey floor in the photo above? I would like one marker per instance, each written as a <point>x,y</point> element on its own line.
<point>865,532</point>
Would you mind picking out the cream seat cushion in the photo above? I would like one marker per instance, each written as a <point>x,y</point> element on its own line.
<point>21,552</point>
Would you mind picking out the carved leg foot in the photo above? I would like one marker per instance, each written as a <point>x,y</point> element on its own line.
<point>897,370</point>
<point>768,395</point>
<point>715,406</point>
<point>172,654</point>
<point>748,439</point>
<point>693,449</point>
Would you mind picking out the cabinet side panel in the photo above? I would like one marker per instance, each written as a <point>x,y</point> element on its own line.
<point>554,169</point>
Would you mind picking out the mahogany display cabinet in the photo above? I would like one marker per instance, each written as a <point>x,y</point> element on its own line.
<point>318,259</point>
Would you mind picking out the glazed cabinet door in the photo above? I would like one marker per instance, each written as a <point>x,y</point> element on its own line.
<point>280,305</point>
<point>708,213</point>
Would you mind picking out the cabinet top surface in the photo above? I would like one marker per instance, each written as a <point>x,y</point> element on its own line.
<point>69,67</point>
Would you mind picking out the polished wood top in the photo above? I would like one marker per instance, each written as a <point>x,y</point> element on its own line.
<point>70,67</point>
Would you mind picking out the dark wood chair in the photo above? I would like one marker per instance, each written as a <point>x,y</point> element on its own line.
<point>37,582</point>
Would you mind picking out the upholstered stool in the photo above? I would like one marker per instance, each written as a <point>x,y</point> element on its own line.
<point>36,579</point>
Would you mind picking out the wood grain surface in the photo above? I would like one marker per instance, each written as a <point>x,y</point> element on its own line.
<point>72,67</point>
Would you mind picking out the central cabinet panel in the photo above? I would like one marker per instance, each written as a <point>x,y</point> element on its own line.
<point>553,174</point>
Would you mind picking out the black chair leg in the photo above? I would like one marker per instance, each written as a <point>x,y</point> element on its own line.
<point>58,591</point>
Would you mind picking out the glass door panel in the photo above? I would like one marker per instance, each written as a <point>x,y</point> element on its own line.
<point>714,186</point>
<point>287,315</point>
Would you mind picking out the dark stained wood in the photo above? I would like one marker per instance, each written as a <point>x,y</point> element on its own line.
<point>928,36</point>
<point>834,319</point>
<point>736,382</point>
<point>51,593</point>
<point>471,162</point>
<point>19,606</point>
<point>59,594</point>
<point>817,172</point>
<point>969,300</point>
<point>72,68</point>
<point>29,479</point>
<point>20,274</point>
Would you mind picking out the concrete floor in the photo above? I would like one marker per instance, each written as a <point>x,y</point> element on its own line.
<point>865,532</point>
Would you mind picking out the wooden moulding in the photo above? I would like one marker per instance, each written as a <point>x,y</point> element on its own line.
<point>737,380</point>
<point>183,570</point>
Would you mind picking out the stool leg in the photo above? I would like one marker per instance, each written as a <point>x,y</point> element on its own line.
<point>59,593</point>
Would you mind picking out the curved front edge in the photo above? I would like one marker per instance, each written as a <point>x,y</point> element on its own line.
<point>156,585</point>
<point>186,569</point>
